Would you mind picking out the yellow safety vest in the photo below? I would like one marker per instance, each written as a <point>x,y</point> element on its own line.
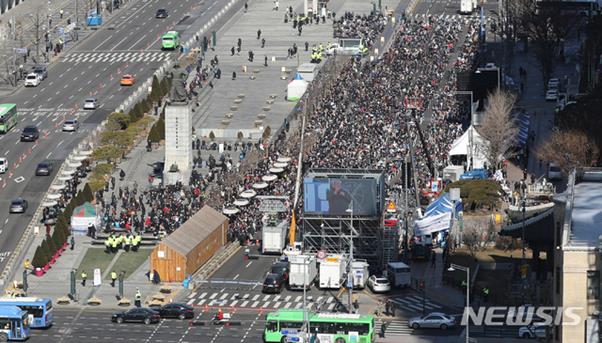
<point>113,275</point>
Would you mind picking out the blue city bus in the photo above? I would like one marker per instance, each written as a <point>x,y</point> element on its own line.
<point>39,310</point>
<point>14,324</point>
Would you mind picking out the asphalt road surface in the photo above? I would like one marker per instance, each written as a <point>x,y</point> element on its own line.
<point>128,44</point>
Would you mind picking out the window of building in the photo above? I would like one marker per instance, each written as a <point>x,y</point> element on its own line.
<point>593,284</point>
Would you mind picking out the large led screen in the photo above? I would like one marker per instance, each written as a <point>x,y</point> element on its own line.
<point>334,196</point>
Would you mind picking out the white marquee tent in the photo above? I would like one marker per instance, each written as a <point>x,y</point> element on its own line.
<point>462,147</point>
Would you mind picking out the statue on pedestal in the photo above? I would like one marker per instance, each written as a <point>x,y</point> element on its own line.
<point>178,91</point>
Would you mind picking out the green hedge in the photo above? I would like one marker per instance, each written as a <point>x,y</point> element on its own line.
<point>478,194</point>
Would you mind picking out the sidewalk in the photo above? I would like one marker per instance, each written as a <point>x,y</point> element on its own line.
<point>433,281</point>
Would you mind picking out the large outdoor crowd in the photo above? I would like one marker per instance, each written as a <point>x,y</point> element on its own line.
<point>363,120</point>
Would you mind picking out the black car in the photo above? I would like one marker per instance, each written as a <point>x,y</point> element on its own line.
<point>158,169</point>
<point>41,71</point>
<point>141,315</point>
<point>180,311</point>
<point>280,268</point>
<point>273,283</point>
<point>44,169</point>
<point>30,134</point>
<point>161,13</point>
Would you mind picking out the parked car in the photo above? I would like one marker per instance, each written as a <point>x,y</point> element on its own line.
<point>174,310</point>
<point>535,330</point>
<point>32,80</point>
<point>44,169</point>
<point>158,169</point>
<point>30,134</point>
<point>161,13</point>
<point>71,125</point>
<point>41,71</point>
<point>552,95</point>
<point>273,283</point>
<point>280,267</point>
<point>3,165</point>
<point>435,320</point>
<point>90,104</point>
<point>379,284</point>
<point>141,314</point>
<point>19,205</point>
<point>554,172</point>
<point>127,80</point>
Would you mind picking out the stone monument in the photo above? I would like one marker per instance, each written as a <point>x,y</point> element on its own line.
<point>178,132</point>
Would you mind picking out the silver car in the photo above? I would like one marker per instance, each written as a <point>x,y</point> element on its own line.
<point>70,125</point>
<point>90,104</point>
<point>18,205</point>
<point>434,320</point>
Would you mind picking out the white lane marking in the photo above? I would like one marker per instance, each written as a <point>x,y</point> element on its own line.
<point>121,41</point>
<point>236,277</point>
<point>61,142</point>
<point>248,264</point>
<point>6,153</point>
<point>17,142</point>
<point>101,43</point>
<point>19,179</point>
<point>6,221</point>
<point>48,156</point>
<point>138,41</point>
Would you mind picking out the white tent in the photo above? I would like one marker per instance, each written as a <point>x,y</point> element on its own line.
<point>296,88</point>
<point>83,216</point>
<point>461,147</point>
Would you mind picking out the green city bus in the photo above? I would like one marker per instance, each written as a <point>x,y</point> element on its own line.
<point>170,40</point>
<point>8,117</point>
<point>328,327</point>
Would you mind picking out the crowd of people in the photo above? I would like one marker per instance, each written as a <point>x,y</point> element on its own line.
<point>364,120</point>
<point>366,27</point>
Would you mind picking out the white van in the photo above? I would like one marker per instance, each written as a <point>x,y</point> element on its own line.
<point>308,71</point>
<point>3,165</point>
<point>554,172</point>
<point>399,274</point>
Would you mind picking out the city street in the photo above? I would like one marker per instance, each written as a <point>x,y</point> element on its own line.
<point>91,69</point>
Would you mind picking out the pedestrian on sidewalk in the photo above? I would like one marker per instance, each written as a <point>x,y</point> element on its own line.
<point>113,278</point>
<point>246,7</point>
<point>263,43</point>
<point>61,13</point>
<point>259,34</point>
<point>265,61</point>
<point>84,278</point>
<point>433,259</point>
<point>306,46</point>
<point>72,242</point>
<point>233,50</point>
<point>138,298</point>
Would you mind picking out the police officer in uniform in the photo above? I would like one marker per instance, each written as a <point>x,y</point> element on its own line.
<point>84,278</point>
<point>113,278</point>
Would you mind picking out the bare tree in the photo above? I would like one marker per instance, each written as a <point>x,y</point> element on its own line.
<point>569,149</point>
<point>37,26</point>
<point>477,233</point>
<point>498,127</point>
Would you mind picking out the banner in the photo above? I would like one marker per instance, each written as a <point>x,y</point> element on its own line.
<point>432,224</point>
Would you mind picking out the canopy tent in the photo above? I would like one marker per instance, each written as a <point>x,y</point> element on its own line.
<point>434,223</point>
<point>442,205</point>
<point>461,147</point>
<point>83,216</point>
<point>296,88</point>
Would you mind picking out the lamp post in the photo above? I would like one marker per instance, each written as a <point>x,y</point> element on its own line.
<point>349,265</point>
<point>452,268</point>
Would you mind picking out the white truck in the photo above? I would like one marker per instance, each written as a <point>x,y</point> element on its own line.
<point>399,274</point>
<point>303,271</point>
<point>332,272</point>
<point>466,6</point>
<point>359,270</point>
<point>273,238</point>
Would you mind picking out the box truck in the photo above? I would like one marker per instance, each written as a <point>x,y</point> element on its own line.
<point>359,270</point>
<point>466,6</point>
<point>303,271</point>
<point>399,274</point>
<point>273,238</point>
<point>332,272</point>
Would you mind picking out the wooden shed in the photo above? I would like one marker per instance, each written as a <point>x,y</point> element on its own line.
<point>189,247</point>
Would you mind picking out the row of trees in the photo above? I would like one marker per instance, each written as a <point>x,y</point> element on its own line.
<point>47,251</point>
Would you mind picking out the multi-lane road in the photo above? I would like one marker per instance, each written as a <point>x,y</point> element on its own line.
<point>128,44</point>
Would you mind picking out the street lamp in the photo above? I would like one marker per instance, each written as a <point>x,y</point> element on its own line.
<point>349,265</point>
<point>452,268</point>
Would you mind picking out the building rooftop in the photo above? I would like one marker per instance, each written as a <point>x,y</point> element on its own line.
<point>583,216</point>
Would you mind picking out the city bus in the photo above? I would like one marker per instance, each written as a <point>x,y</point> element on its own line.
<point>328,327</point>
<point>170,40</point>
<point>14,324</point>
<point>8,117</point>
<point>39,310</point>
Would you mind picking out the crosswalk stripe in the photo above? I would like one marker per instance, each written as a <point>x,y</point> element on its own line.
<point>201,302</point>
<point>287,305</point>
<point>190,301</point>
<point>265,304</point>
<point>256,297</point>
<point>297,299</point>
<point>330,299</point>
<point>319,299</point>
<point>255,304</point>
<point>234,303</point>
<point>287,298</point>
<point>245,303</point>
<point>213,296</point>
<point>203,295</point>
<point>331,307</point>
<point>276,298</point>
<point>277,304</point>
<point>224,296</point>
<point>299,305</point>
<point>265,298</point>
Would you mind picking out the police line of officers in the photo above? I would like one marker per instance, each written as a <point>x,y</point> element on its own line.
<point>317,51</point>
<point>114,243</point>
